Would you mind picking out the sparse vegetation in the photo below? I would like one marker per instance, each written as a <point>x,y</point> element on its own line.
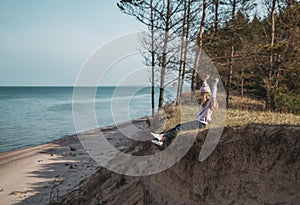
<point>235,117</point>
<point>243,111</point>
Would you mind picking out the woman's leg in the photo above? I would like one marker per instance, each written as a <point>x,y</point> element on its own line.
<point>182,127</point>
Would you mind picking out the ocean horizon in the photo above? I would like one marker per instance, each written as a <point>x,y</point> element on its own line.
<point>34,115</point>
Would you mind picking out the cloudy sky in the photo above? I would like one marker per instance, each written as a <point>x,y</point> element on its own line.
<point>46,42</point>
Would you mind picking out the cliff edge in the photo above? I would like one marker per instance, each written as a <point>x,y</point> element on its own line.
<point>253,164</point>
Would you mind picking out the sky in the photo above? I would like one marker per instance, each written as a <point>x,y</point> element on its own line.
<point>46,42</point>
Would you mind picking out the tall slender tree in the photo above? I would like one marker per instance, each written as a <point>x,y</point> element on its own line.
<point>182,50</point>
<point>195,80</point>
<point>164,55</point>
<point>216,23</point>
<point>264,50</point>
<point>152,58</point>
<point>269,86</point>
<point>190,17</point>
<point>144,12</point>
<point>233,14</point>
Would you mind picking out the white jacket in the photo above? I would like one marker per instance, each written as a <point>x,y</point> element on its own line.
<point>205,112</point>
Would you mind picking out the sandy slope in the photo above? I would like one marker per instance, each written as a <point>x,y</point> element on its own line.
<point>44,173</point>
<point>255,164</point>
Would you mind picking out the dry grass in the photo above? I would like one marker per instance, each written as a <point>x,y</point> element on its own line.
<point>235,117</point>
<point>246,103</point>
<point>248,110</point>
<point>242,112</point>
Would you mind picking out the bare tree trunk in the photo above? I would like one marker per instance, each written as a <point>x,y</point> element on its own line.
<point>195,80</point>
<point>269,85</point>
<point>216,15</point>
<point>164,58</point>
<point>152,60</point>
<point>182,52</point>
<point>229,80</point>
<point>242,83</point>
<point>186,45</point>
<point>276,85</point>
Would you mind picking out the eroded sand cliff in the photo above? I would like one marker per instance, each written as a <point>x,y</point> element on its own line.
<point>255,164</point>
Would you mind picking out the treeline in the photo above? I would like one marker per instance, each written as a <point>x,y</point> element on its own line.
<point>255,55</point>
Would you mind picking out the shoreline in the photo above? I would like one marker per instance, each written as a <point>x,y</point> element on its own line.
<point>103,128</point>
<point>39,174</point>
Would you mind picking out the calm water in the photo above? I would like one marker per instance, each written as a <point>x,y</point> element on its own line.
<point>35,115</point>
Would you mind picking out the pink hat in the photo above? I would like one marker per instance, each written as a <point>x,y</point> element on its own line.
<point>205,89</point>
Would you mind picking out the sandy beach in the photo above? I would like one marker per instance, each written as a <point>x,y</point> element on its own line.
<point>42,174</point>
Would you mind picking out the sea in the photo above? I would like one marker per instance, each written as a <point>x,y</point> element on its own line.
<point>32,116</point>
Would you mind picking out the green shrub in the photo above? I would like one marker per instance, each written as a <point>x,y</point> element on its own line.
<point>285,101</point>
